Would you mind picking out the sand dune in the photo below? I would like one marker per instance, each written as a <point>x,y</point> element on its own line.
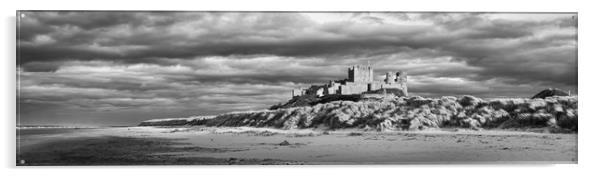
<point>413,113</point>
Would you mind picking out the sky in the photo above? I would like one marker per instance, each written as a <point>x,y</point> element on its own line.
<point>119,68</point>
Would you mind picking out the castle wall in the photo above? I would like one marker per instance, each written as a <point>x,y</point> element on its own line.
<point>399,85</point>
<point>298,92</point>
<point>393,85</point>
<point>380,85</point>
<point>353,88</point>
<point>331,90</point>
<point>376,85</point>
<point>320,92</point>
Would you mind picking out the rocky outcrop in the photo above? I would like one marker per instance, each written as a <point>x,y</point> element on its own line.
<point>413,113</point>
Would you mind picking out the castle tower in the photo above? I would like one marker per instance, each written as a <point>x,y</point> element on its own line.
<point>402,78</point>
<point>361,74</point>
<point>389,78</point>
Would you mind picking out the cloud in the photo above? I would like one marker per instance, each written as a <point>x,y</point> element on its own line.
<point>109,86</point>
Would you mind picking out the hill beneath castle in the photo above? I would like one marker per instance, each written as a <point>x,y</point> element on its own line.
<point>406,113</point>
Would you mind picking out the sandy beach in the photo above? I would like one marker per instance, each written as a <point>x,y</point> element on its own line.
<point>245,145</point>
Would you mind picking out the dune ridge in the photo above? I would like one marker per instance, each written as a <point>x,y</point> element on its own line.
<point>406,113</point>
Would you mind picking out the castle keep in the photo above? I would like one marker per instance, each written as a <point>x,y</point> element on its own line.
<point>360,80</point>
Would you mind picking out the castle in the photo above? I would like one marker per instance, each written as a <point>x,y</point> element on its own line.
<point>360,80</point>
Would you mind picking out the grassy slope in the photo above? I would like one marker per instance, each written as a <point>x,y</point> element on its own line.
<point>414,113</point>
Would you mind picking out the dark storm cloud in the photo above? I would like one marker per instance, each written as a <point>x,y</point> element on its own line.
<point>147,63</point>
<point>276,33</point>
<point>136,36</point>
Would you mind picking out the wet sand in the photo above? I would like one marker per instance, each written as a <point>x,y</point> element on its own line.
<point>243,145</point>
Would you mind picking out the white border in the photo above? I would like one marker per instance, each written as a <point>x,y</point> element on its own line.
<point>589,86</point>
